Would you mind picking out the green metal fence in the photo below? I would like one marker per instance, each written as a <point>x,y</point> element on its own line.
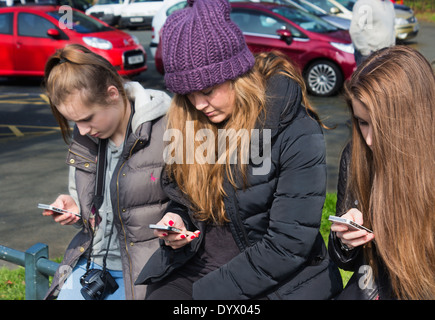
<point>37,266</point>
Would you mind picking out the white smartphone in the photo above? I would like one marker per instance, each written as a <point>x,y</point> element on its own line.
<point>58,210</point>
<point>351,224</point>
<point>165,228</point>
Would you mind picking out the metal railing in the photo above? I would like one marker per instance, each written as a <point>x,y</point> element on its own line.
<point>37,268</point>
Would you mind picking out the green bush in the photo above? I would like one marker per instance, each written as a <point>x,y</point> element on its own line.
<point>420,5</point>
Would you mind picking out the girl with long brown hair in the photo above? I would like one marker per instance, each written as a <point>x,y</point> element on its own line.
<point>387,180</point>
<point>245,170</point>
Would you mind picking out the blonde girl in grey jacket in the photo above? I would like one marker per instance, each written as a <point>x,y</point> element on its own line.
<point>113,229</point>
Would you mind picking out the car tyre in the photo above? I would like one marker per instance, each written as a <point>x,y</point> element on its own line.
<point>323,78</point>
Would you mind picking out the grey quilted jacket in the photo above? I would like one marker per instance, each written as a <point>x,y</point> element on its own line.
<point>136,193</point>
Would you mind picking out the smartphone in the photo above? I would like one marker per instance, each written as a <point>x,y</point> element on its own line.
<point>165,228</point>
<point>58,210</point>
<point>352,224</point>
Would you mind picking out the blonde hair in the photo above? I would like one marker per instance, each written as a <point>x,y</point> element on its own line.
<point>203,183</point>
<point>394,181</point>
<point>75,69</point>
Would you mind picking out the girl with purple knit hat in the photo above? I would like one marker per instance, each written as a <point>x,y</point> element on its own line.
<point>245,170</point>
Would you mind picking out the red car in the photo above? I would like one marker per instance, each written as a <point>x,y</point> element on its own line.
<point>29,35</point>
<point>324,53</point>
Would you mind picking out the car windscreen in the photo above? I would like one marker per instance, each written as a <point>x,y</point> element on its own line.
<point>305,20</point>
<point>135,1</point>
<point>80,23</point>
<point>309,8</point>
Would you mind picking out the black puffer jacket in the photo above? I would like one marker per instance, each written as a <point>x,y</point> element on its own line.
<point>275,222</point>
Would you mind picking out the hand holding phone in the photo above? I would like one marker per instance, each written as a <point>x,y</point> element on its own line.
<point>67,203</point>
<point>345,228</point>
<point>172,231</point>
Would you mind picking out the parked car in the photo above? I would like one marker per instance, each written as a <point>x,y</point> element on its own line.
<point>306,5</point>
<point>337,21</point>
<point>81,5</point>
<point>29,35</point>
<point>139,13</point>
<point>108,11</point>
<point>406,24</point>
<point>324,53</point>
<point>159,19</point>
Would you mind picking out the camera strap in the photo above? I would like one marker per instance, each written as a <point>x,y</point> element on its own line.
<point>100,174</point>
<point>98,191</point>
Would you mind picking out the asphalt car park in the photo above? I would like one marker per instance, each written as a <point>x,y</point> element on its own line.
<point>32,164</point>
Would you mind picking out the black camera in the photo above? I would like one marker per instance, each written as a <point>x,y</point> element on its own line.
<point>97,284</point>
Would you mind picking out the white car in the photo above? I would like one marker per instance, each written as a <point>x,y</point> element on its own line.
<point>139,13</point>
<point>159,20</point>
<point>168,7</point>
<point>108,11</point>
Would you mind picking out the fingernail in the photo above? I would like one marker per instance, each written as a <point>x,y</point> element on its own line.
<point>192,237</point>
<point>171,223</point>
<point>182,236</point>
<point>164,234</point>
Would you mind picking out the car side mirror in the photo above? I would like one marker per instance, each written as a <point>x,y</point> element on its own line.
<point>54,33</point>
<point>285,35</point>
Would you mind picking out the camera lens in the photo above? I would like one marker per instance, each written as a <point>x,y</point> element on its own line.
<point>96,284</point>
<point>93,286</point>
<point>92,291</point>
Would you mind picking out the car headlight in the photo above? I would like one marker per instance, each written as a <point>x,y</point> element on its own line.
<point>98,43</point>
<point>346,47</point>
<point>400,21</point>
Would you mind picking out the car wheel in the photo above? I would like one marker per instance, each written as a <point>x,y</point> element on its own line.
<point>323,78</point>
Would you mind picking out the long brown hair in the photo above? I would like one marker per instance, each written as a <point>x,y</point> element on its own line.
<point>203,183</point>
<point>394,181</point>
<point>77,70</point>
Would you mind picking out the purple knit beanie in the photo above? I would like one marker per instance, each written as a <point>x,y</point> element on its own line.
<point>202,47</point>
